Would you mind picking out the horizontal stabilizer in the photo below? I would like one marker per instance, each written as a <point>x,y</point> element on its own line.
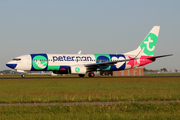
<point>159,56</point>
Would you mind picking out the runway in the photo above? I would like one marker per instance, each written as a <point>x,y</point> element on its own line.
<point>87,103</point>
<point>42,77</point>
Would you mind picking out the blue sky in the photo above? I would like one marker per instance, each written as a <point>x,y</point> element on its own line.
<point>103,26</point>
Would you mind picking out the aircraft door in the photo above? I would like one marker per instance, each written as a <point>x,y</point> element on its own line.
<point>28,60</point>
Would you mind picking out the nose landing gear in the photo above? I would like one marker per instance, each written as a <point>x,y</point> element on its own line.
<point>23,75</point>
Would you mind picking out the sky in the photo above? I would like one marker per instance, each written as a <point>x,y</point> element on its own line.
<point>92,26</point>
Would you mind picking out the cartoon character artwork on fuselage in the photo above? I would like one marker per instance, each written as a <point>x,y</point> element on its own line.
<point>88,63</point>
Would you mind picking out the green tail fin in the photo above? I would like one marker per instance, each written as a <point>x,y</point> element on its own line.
<point>149,43</point>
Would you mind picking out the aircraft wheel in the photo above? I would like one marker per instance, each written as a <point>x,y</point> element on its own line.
<point>23,75</point>
<point>81,75</point>
<point>91,74</point>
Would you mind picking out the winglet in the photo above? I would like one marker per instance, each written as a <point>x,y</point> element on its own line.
<point>79,52</point>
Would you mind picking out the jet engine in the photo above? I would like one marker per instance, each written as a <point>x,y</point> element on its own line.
<point>61,72</point>
<point>78,69</point>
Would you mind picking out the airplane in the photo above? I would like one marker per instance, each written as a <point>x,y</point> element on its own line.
<point>82,64</point>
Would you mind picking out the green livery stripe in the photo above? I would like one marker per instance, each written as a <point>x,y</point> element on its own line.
<point>53,68</point>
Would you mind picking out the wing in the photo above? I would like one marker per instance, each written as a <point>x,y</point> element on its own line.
<point>94,66</point>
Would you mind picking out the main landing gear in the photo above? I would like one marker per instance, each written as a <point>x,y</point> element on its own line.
<point>81,75</point>
<point>91,74</point>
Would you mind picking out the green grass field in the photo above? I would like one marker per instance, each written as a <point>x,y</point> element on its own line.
<point>46,90</point>
<point>88,89</point>
<point>162,74</point>
<point>133,111</point>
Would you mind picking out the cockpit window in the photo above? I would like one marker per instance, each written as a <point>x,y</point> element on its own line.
<point>17,59</point>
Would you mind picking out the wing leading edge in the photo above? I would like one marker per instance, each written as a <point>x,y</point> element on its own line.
<point>111,63</point>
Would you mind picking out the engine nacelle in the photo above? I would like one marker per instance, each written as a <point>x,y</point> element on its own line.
<point>63,70</point>
<point>60,72</point>
<point>78,69</point>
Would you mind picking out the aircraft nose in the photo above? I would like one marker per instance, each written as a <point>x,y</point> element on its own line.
<point>11,65</point>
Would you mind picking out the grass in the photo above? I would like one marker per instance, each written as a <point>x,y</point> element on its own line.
<point>88,89</point>
<point>66,89</point>
<point>162,74</point>
<point>97,112</point>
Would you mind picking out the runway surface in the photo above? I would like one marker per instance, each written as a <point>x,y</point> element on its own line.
<point>41,77</point>
<point>86,103</point>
